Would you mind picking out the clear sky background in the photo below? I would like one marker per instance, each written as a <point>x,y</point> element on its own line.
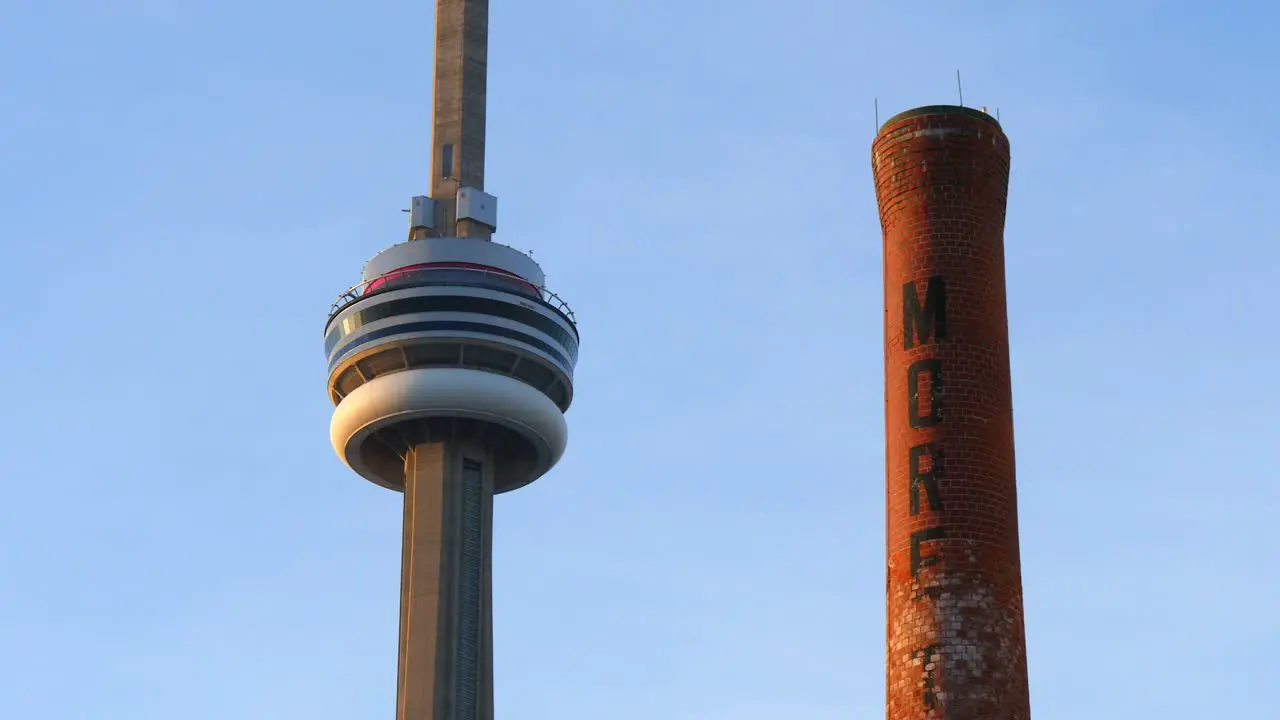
<point>185,186</point>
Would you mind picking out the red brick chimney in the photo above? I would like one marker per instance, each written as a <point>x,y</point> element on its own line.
<point>955,642</point>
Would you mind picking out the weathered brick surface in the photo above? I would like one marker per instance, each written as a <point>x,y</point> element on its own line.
<point>955,643</point>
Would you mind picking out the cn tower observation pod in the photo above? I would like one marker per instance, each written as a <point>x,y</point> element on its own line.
<point>450,338</point>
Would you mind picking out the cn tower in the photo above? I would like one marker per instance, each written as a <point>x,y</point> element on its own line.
<point>451,366</point>
<point>955,646</point>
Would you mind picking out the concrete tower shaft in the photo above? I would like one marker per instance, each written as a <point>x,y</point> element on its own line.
<point>458,122</point>
<point>955,640</point>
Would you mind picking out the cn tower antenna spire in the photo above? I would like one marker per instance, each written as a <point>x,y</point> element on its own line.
<point>458,118</point>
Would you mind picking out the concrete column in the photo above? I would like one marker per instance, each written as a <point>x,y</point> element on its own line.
<point>458,125</point>
<point>433,571</point>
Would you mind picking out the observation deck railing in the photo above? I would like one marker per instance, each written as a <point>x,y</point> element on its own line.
<point>451,276</point>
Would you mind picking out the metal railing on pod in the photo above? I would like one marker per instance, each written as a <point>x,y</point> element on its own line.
<point>456,277</point>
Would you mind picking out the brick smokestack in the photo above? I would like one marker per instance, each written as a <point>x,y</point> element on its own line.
<point>955,642</point>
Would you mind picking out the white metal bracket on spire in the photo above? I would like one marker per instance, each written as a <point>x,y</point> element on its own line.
<point>477,207</point>
<point>422,217</point>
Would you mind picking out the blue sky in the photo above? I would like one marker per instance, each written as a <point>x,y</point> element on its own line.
<point>186,185</point>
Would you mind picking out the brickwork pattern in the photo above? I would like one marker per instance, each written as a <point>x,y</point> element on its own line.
<point>955,641</point>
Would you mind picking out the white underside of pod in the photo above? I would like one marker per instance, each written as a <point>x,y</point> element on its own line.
<point>446,392</point>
